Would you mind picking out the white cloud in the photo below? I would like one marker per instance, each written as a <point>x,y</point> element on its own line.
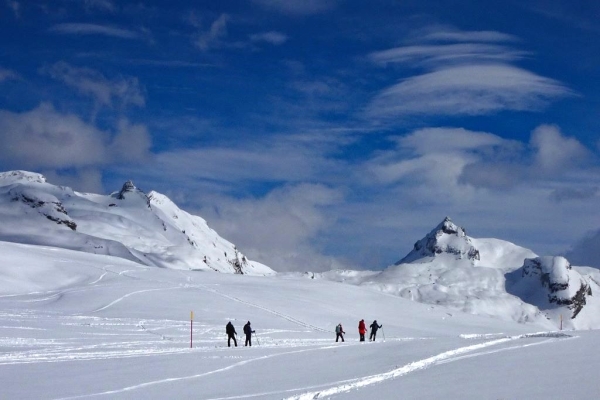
<point>272,37</point>
<point>94,29</point>
<point>132,143</point>
<point>293,158</point>
<point>298,7</point>
<point>555,152</point>
<point>44,138</point>
<point>432,158</point>
<point>446,140</point>
<point>213,37</point>
<point>454,35</point>
<point>469,77</point>
<point>434,55</point>
<point>290,218</point>
<point>467,89</point>
<point>92,83</point>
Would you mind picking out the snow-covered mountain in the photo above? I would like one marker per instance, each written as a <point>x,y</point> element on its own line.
<point>488,277</point>
<point>146,228</point>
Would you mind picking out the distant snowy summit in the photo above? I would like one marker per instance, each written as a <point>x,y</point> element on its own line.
<point>146,228</point>
<point>445,238</point>
<point>493,277</point>
<point>489,277</point>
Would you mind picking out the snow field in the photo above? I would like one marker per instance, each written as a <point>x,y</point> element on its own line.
<point>121,331</point>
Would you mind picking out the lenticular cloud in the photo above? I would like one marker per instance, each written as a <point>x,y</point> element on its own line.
<point>461,79</point>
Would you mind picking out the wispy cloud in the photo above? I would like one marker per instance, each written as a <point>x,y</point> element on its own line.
<point>15,7</point>
<point>436,55</point>
<point>94,29</point>
<point>463,75</point>
<point>6,74</point>
<point>102,5</point>
<point>298,7</point>
<point>272,37</point>
<point>214,36</point>
<point>89,82</point>
<point>454,35</point>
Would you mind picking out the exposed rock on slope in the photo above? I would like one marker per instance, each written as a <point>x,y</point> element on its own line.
<point>553,285</point>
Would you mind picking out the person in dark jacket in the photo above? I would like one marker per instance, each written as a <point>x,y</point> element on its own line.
<point>231,334</point>
<point>362,329</point>
<point>339,332</point>
<point>374,326</point>
<point>248,331</point>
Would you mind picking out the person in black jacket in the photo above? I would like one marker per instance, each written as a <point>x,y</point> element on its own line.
<point>248,331</point>
<point>374,326</point>
<point>231,333</point>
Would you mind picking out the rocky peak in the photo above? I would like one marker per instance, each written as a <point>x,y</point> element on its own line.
<point>127,187</point>
<point>446,238</point>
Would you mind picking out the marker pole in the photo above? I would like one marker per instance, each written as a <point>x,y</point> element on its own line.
<point>191,328</point>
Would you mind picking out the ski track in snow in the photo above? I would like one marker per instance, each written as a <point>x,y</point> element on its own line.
<point>131,294</point>
<point>341,386</point>
<point>270,311</point>
<point>182,378</point>
<point>444,357</point>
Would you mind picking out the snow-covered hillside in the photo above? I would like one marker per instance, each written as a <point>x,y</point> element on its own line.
<point>488,277</point>
<point>76,325</point>
<point>146,228</point>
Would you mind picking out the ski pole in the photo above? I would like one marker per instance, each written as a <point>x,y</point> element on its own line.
<point>382,331</point>
<point>256,336</point>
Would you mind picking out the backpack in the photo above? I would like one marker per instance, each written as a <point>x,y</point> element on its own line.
<point>338,329</point>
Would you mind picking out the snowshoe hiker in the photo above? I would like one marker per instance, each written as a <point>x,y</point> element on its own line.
<point>362,329</point>
<point>339,332</point>
<point>231,334</point>
<point>374,326</point>
<point>248,331</point>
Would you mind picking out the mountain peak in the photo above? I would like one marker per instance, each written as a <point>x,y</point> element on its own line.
<point>445,238</point>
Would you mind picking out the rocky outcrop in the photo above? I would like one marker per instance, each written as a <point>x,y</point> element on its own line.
<point>47,205</point>
<point>130,190</point>
<point>548,281</point>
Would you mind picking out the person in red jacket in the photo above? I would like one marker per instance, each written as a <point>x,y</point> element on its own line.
<point>362,329</point>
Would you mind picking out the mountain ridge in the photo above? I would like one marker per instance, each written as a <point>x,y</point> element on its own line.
<point>146,228</point>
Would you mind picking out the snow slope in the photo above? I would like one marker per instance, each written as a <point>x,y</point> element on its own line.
<point>148,229</point>
<point>77,325</point>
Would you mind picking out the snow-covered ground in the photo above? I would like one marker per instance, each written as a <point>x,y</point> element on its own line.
<point>79,325</point>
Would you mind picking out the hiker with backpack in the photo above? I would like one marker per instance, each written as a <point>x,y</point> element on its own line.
<point>248,331</point>
<point>374,326</point>
<point>339,332</point>
<point>362,329</point>
<point>231,334</point>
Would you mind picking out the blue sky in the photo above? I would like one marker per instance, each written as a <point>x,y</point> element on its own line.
<point>318,134</point>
